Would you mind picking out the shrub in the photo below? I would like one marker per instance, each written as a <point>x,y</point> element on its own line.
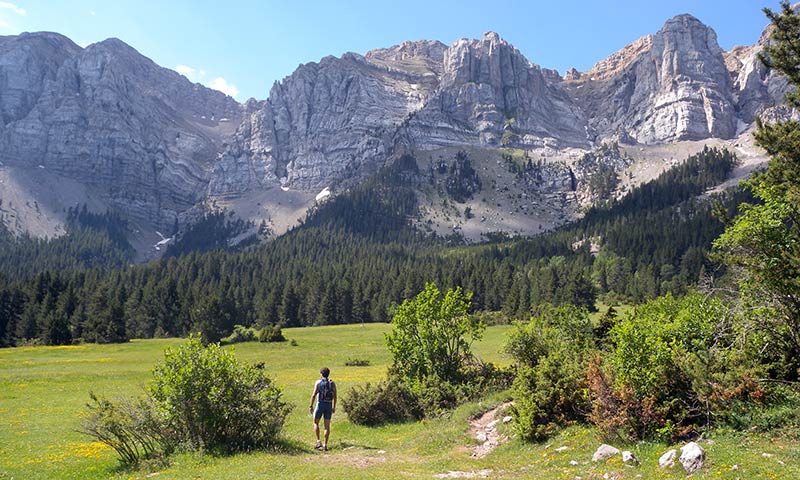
<point>432,335</point>
<point>385,402</point>
<point>552,352</point>
<point>677,366</point>
<point>619,413</point>
<point>240,334</point>
<point>271,333</point>
<point>131,429</point>
<point>480,378</point>
<point>214,401</point>
<point>550,394</point>
<point>436,396</point>
<point>356,362</point>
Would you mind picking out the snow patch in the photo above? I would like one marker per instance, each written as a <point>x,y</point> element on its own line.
<point>324,193</point>
<point>285,189</point>
<point>164,240</point>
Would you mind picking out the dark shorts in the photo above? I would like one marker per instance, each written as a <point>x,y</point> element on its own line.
<point>324,409</point>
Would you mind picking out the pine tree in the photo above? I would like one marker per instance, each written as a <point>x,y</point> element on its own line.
<point>763,242</point>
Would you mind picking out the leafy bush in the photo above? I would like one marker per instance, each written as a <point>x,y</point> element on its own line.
<point>271,333</point>
<point>480,378</point>
<point>131,429</point>
<point>356,362</point>
<point>432,335</point>
<point>240,334</point>
<point>385,402</point>
<point>436,396</point>
<point>777,409</point>
<point>677,366</point>
<point>214,401</point>
<point>552,352</point>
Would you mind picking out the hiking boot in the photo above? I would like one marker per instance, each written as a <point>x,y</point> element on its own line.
<point>318,445</point>
<point>324,448</point>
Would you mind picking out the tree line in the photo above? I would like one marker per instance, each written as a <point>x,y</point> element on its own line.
<point>358,255</point>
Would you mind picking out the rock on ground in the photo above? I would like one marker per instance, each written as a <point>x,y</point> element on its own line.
<point>692,457</point>
<point>603,452</point>
<point>668,459</point>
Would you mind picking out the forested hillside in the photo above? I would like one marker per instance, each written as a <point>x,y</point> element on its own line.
<point>359,254</point>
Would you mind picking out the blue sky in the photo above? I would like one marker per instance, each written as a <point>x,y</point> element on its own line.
<point>242,47</point>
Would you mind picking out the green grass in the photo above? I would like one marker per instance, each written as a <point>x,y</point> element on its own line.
<point>43,391</point>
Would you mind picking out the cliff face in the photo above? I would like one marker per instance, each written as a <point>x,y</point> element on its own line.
<point>670,86</point>
<point>139,134</point>
<point>344,117</point>
<point>329,120</point>
<point>490,95</point>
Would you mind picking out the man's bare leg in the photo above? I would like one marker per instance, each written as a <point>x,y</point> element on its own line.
<point>327,432</point>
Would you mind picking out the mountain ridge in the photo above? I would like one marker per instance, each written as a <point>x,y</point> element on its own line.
<point>148,142</point>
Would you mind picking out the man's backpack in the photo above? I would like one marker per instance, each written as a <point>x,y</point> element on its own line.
<point>325,390</point>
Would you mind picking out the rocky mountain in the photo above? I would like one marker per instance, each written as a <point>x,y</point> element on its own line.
<point>149,143</point>
<point>348,114</point>
<point>670,86</point>
<point>140,135</point>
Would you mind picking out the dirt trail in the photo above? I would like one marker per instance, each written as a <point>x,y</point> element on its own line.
<point>484,429</point>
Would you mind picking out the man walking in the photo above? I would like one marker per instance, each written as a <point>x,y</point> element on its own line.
<point>325,393</point>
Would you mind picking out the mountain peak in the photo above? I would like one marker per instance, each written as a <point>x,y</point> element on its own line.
<point>491,37</point>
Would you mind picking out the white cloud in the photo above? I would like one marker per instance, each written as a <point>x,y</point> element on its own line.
<point>4,24</point>
<point>186,71</point>
<point>192,74</point>
<point>13,8</point>
<point>197,75</point>
<point>223,86</point>
<point>92,13</point>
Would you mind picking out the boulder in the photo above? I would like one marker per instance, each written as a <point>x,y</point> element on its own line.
<point>603,452</point>
<point>692,457</point>
<point>668,459</point>
<point>629,458</point>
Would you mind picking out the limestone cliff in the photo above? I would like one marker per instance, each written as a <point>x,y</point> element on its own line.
<point>139,134</point>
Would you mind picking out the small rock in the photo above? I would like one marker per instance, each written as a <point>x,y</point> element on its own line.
<point>561,449</point>
<point>492,424</point>
<point>381,452</point>
<point>629,458</point>
<point>507,419</point>
<point>735,467</point>
<point>668,459</point>
<point>780,462</point>
<point>692,457</point>
<point>481,437</point>
<point>766,455</point>
<point>573,462</point>
<point>603,452</point>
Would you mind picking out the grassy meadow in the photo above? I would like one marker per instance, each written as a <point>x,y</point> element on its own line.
<point>43,392</point>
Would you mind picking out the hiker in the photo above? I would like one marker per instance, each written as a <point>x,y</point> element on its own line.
<point>326,405</point>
